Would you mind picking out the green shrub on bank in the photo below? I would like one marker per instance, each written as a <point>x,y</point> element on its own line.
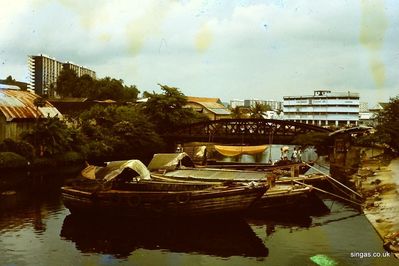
<point>12,160</point>
<point>22,148</point>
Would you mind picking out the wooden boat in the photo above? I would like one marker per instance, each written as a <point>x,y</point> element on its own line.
<point>229,175</point>
<point>173,161</point>
<point>279,197</point>
<point>283,193</point>
<point>282,197</point>
<point>125,189</point>
<point>279,165</point>
<point>286,165</point>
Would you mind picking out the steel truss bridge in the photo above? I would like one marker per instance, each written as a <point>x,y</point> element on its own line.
<point>243,131</point>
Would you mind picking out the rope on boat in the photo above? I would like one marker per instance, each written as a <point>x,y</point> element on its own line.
<point>322,166</point>
<point>329,193</point>
<point>336,187</point>
<point>348,188</point>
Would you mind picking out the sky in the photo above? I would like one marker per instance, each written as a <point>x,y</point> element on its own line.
<point>227,49</point>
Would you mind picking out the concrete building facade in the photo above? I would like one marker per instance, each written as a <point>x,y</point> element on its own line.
<point>323,108</point>
<point>44,71</point>
<point>275,105</point>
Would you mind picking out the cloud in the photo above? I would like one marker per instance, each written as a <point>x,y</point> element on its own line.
<point>226,49</point>
<point>204,38</point>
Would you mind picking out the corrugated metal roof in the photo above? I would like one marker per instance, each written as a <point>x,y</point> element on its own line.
<point>215,108</point>
<point>17,104</point>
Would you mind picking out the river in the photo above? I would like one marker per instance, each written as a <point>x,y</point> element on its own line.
<point>36,229</point>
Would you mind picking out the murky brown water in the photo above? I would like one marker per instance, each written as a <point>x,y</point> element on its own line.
<point>36,229</point>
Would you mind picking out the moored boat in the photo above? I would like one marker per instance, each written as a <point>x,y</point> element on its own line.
<point>125,189</point>
<point>286,165</point>
<point>283,194</point>
<point>176,171</point>
<point>180,165</point>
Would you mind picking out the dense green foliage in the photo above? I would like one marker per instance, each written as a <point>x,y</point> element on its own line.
<point>66,84</point>
<point>167,110</point>
<point>12,160</point>
<point>70,85</point>
<point>119,131</point>
<point>387,129</point>
<point>237,112</point>
<point>22,148</point>
<point>104,132</point>
<point>50,136</point>
<point>258,110</point>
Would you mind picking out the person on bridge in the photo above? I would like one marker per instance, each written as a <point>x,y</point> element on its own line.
<point>299,154</point>
<point>284,152</point>
<point>294,155</point>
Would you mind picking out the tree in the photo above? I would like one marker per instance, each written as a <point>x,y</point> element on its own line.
<point>85,87</point>
<point>258,110</point>
<point>39,102</point>
<point>67,82</point>
<point>10,80</point>
<point>49,136</point>
<point>70,85</point>
<point>108,88</point>
<point>387,129</point>
<point>237,112</point>
<point>167,110</point>
<point>130,93</point>
<point>120,131</point>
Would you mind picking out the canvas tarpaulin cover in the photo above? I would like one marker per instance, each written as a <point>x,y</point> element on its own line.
<point>115,168</point>
<point>238,150</point>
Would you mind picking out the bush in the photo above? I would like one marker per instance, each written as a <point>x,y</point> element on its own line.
<point>12,160</point>
<point>22,148</point>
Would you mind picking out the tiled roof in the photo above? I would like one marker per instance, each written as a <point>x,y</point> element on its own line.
<point>202,99</point>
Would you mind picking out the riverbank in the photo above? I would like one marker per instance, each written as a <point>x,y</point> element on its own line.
<point>379,183</point>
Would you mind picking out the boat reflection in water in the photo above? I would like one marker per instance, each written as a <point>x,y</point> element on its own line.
<point>206,236</point>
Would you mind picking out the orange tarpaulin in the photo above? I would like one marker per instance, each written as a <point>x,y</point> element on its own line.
<point>237,150</point>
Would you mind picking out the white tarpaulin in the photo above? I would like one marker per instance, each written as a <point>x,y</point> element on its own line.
<point>115,168</point>
<point>169,161</point>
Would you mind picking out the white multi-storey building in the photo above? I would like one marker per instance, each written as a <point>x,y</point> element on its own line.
<point>44,71</point>
<point>274,105</point>
<point>323,108</point>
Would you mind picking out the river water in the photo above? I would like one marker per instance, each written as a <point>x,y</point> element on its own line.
<point>36,229</point>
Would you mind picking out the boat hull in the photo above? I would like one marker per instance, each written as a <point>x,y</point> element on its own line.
<point>161,203</point>
<point>302,168</point>
<point>282,197</point>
